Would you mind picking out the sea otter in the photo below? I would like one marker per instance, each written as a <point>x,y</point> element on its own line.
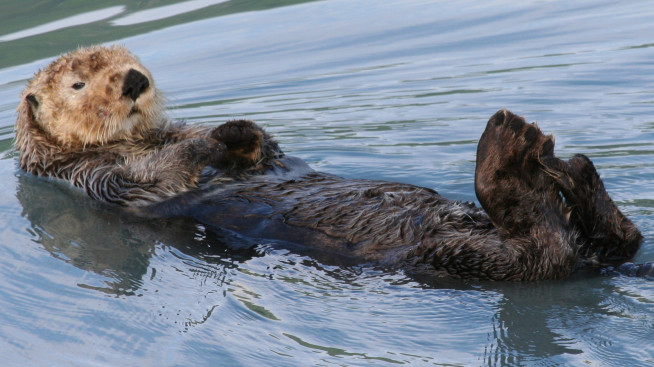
<point>94,118</point>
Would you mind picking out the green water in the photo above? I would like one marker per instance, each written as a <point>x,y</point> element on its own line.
<point>394,90</point>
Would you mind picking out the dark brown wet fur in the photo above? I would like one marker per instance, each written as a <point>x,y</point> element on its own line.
<point>609,236</point>
<point>527,231</point>
<point>93,118</point>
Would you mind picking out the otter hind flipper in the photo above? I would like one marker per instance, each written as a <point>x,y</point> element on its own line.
<point>607,235</point>
<point>509,181</point>
<point>521,199</point>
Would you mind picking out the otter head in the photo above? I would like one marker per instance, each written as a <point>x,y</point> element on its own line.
<point>91,96</point>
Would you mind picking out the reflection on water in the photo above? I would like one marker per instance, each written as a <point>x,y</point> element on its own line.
<point>76,20</point>
<point>64,26</point>
<point>163,12</point>
<point>105,240</point>
<point>391,90</point>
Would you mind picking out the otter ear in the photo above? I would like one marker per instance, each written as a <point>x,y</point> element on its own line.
<point>33,102</point>
<point>27,110</point>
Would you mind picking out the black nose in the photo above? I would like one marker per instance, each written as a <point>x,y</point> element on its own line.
<point>135,84</point>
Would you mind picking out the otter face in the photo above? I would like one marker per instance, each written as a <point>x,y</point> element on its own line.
<point>93,96</point>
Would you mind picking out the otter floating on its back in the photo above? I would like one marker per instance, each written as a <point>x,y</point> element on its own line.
<point>95,119</point>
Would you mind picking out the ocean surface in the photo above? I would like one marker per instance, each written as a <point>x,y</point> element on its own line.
<point>395,90</point>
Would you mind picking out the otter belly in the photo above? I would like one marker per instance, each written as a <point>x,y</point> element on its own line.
<point>364,220</point>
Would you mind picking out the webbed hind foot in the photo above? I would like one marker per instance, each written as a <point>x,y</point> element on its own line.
<point>509,180</point>
<point>608,235</point>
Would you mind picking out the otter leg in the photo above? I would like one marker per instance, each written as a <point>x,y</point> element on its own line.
<point>522,201</point>
<point>607,235</point>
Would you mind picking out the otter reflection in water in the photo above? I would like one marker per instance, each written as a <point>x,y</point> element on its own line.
<point>94,118</point>
<point>99,238</point>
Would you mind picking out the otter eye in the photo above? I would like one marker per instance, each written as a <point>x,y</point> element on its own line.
<point>78,85</point>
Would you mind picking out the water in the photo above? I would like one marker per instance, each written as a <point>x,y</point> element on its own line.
<point>392,90</point>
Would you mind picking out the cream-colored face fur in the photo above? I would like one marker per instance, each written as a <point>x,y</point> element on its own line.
<point>78,99</point>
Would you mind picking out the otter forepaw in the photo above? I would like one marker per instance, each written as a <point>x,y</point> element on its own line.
<point>243,135</point>
<point>244,141</point>
<point>201,152</point>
